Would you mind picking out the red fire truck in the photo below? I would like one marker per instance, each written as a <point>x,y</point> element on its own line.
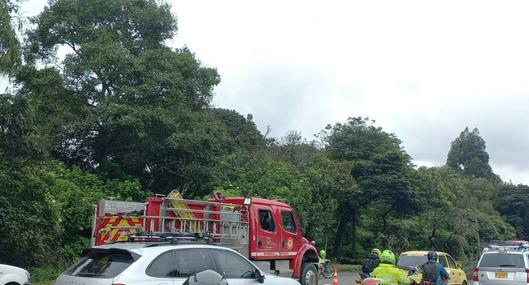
<point>261,229</point>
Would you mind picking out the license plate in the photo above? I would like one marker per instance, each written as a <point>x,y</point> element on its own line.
<point>501,275</point>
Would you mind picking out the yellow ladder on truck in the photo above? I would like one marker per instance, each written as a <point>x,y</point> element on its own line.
<point>183,211</point>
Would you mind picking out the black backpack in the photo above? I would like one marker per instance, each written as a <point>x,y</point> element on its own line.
<point>429,272</point>
<point>370,264</point>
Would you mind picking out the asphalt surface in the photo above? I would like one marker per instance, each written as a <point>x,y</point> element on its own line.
<point>344,278</point>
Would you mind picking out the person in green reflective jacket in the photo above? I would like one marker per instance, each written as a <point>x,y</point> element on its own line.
<point>391,274</point>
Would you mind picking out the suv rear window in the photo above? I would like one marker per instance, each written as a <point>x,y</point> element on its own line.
<point>101,264</point>
<point>507,260</point>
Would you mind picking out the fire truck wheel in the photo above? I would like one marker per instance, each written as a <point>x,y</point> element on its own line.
<point>309,274</point>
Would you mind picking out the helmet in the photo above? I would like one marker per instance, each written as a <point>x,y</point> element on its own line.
<point>432,255</point>
<point>387,256</point>
<point>376,251</point>
<point>323,253</point>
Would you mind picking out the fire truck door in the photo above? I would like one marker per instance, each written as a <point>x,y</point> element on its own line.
<point>289,232</point>
<point>268,236</point>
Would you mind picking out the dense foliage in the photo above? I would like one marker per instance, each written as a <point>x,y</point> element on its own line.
<point>123,115</point>
<point>467,155</point>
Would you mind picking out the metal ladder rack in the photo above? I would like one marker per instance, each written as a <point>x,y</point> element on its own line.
<point>223,221</point>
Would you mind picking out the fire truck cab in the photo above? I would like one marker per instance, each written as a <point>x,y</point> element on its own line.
<point>266,231</point>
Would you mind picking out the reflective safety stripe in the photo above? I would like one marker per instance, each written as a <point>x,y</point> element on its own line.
<point>275,253</point>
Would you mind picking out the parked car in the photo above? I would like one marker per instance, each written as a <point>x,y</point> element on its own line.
<point>132,263</point>
<point>13,275</point>
<point>412,259</point>
<point>504,264</point>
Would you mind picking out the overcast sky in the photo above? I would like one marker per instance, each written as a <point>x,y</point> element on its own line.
<point>423,70</point>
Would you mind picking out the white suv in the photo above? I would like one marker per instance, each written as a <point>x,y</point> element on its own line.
<point>13,275</point>
<point>163,264</point>
<point>503,265</point>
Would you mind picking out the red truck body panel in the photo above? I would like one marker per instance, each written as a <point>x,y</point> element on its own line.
<point>273,230</point>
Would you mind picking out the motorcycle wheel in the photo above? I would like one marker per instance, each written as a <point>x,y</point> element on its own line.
<point>327,271</point>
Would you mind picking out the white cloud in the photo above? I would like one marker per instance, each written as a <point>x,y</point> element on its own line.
<point>422,69</point>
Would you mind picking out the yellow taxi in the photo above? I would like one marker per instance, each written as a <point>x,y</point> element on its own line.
<point>411,259</point>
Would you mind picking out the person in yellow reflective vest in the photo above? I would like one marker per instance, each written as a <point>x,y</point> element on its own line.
<point>390,273</point>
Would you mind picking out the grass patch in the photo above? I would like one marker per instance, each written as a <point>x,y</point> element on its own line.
<point>44,275</point>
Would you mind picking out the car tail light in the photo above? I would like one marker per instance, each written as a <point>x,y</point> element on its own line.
<point>527,271</point>
<point>475,275</point>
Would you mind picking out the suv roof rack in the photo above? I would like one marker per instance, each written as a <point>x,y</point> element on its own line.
<point>502,245</point>
<point>172,238</point>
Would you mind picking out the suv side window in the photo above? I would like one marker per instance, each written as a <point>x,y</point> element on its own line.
<point>163,266</point>
<point>289,224</point>
<point>191,261</point>
<point>233,266</point>
<point>267,220</point>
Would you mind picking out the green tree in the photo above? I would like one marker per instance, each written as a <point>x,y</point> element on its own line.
<point>513,202</point>
<point>29,221</point>
<point>140,107</point>
<point>46,211</point>
<point>379,165</point>
<point>468,155</point>
<point>10,52</point>
<point>19,141</point>
<point>458,215</point>
<point>242,130</point>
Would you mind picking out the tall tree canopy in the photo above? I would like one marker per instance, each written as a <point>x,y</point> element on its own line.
<point>138,105</point>
<point>381,168</point>
<point>9,44</point>
<point>378,162</point>
<point>468,155</point>
<point>513,203</point>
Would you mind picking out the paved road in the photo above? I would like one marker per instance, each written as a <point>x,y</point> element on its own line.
<point>345,278</point>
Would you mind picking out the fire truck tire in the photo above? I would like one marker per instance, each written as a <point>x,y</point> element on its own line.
<point>309,274</point>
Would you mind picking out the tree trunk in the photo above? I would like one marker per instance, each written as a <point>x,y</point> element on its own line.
<point>385,227</point>
<point>354,222</point>
<point>432,236</point>
<point>385,220</point>
<point>340,233</point>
